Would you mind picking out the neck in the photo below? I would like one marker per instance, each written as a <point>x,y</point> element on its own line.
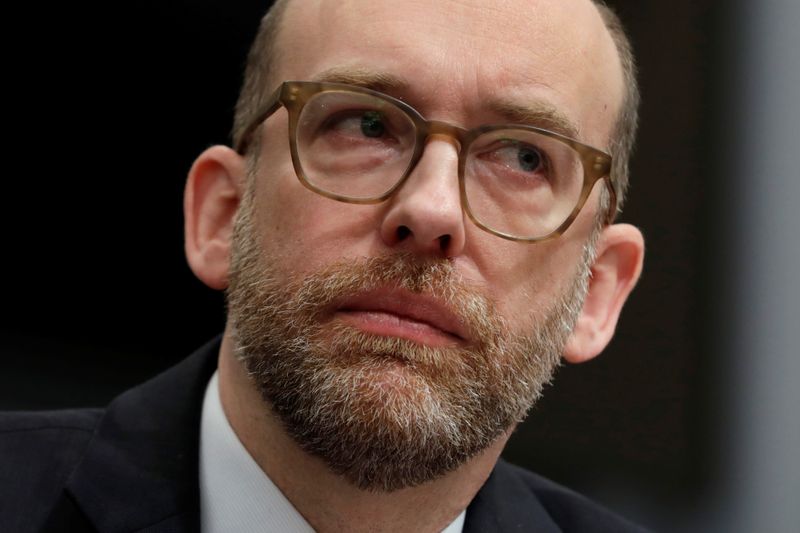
<point>330,502</point>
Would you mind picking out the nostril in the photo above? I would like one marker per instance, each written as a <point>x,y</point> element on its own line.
<point>437,245</point>
<point>402,233</point>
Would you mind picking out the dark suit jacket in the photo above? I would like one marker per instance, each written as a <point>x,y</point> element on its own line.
<point>134,467</point>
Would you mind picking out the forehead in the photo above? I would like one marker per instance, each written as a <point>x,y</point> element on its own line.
<point>456,56</point>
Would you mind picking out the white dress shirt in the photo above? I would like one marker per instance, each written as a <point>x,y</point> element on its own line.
<point>235,494</point>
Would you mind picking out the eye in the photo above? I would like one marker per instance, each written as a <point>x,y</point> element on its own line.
<point>358,124</point>
<point>516,156</point>
<point>372,124</point>
<point>528,158</point>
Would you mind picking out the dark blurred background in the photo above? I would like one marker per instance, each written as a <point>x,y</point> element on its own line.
<point>686,423</point>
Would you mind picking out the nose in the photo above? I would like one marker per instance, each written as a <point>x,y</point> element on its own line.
<point>425,215</point>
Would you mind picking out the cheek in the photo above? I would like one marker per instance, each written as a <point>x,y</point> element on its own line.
<point>306,231</point>
<point>525,280</point>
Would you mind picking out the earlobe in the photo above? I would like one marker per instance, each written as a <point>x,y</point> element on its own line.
<point>620,254</point>
<point>211,198</point>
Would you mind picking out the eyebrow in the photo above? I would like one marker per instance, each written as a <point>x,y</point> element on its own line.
<point>362,77</point>
<point>538,114</point>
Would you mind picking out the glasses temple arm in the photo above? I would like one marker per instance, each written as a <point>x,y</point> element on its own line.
<point>272,104</point>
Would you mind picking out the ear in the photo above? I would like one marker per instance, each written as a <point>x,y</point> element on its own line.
<point>210,201</point>
<point>620,253</point>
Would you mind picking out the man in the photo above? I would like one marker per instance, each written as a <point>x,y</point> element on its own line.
<point>403,276</point>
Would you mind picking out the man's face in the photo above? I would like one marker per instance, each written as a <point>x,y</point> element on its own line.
<point>402,326</point>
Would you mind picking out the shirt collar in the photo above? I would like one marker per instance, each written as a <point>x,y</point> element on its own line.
<point>235,494</point>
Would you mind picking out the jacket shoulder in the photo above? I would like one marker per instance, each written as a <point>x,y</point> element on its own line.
<point>38,451</point>
<point>80,420</point>
<point>515,499</point>
<point>573,511</point>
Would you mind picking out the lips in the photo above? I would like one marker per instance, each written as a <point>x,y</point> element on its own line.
<point>399,313</point>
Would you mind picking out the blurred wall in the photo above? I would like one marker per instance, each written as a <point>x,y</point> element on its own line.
<point>757,302</point>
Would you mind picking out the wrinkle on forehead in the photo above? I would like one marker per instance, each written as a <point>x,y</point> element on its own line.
<point>551,22</point>
<point>571,21</point>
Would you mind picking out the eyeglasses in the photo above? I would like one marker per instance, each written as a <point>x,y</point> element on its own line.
<point>357,145</point>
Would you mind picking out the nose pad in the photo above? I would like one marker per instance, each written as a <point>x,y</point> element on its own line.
<point>425,215</point>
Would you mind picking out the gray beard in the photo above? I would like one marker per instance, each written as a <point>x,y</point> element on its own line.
<point>383,412</point>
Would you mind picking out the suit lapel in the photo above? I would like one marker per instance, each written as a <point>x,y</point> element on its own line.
<point>506,503</point>
<point>140,471</point>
